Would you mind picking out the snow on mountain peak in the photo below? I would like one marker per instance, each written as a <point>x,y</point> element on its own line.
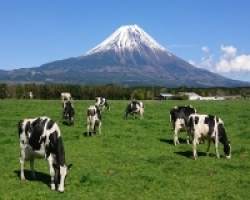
<point>126,37</point>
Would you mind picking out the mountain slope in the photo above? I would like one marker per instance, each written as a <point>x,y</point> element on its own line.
<point>128,57</point>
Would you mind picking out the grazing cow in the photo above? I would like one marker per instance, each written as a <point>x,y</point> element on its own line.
<point>135,107</point>
<point>102,102</point>
<point>31,95</point>
<point>211,128</point>
<point>94,120</point>
<point>66,96</point>
<point>179,116</point>
<point>68,112</point>
<point>41,138</point>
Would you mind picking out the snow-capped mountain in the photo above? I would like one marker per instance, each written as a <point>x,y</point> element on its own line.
<point>128,57</point>
<point>128,37</point>
<point>131,45</point>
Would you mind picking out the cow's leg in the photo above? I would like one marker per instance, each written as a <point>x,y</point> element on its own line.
<point>51,172</point>
<point>100,127</point>
<point>32,169</point>
<point>216,142</point>
<point>141,114</point>
<point>208,147</point>
<point>176,131</point>
<point>194,148</point>
<point>188,137</point>
<point>22,161</point>
<point>91,129</point>
<point>88,125</point>
<point>71,120</point>
<point>176,141</point>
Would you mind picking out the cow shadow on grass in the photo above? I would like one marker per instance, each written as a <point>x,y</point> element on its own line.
<point>189,154</point>
<point>67,123</point>
<point>171,141</point>
<point>85,134</point>
<point>40,176</point>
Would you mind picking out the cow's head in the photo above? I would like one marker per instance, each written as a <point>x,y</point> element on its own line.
<point>63,172</point>
<point>223,139</point>
<point>227,150</point>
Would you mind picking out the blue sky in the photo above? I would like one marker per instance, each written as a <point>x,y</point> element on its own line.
<point>214,35</point>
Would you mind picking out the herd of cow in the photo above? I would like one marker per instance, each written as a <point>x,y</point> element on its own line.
<point>40,137</point>
<point>199,127</point>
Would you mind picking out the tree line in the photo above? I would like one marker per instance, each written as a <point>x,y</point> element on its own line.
<point>112,92</point>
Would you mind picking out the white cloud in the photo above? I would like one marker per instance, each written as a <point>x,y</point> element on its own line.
<point>228,52</point>
<point>205,49</point>
<point>228,64</point>
<point>207,62</point>
<point>231,62</point>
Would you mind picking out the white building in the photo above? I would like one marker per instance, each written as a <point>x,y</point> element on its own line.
<point>165,96</point>
<point>194,96</point>
<point>191,95</point>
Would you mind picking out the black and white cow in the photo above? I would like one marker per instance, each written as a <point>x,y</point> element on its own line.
<point>209,127</point>
<point>135,107</point>
<point>68,112</point>
<point>94,120</point>
<point>179,116</point>
<point>41,138</point>
<point>102,102</point>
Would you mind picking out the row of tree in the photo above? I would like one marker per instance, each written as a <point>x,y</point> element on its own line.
<point>112,92</point>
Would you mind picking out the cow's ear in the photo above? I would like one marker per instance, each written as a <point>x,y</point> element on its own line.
<point>69,166</point>
<point>56,166</point>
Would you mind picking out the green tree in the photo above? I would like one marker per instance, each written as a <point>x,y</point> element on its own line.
<point>3,91</point>
<point>20,91</point>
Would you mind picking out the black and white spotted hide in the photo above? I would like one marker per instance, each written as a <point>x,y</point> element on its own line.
<point>68,112</point>
<point>135,107</point>
<point>102,103</point>
<point>179,116</point>
<point>211,128</point>
<point>94,120</point>
<point>41,138</point>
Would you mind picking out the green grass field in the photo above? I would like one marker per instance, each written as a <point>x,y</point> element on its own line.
<point>132,159</point>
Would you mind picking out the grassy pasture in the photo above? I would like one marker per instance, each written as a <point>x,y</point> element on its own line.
<point>132,159</point>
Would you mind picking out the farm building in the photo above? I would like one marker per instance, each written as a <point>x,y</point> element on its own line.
<point>191,95</point>
<point>212,98</point>
<point>164,96</point>
<point>194,96</point>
